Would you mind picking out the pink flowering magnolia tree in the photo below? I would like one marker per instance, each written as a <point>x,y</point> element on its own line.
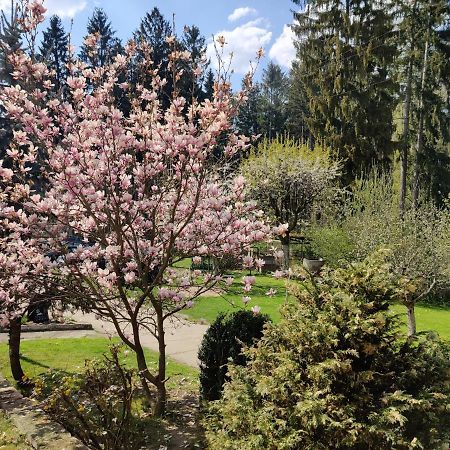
<point>142,192</point>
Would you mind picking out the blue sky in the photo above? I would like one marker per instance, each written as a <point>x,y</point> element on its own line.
<point>246,25</point>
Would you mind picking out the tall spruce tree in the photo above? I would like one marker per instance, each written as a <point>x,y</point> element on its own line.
<point>108,44</point>
<point>273,101</point>
<point>193,42</point>
<point>155,30</point>
<point>208,85</point>
<point>54,51</point>
<point>345,52</point>
<point>10,40</point>
<point>430,115</point>
<point>247,120</point>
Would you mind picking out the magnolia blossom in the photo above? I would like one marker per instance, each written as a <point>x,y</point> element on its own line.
<point>256,309</point>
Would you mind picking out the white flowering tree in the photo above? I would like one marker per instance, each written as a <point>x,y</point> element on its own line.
<point>139,190</point>
<point>287,179</point>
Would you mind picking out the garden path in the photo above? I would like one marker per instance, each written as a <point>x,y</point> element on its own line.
<point>183,338</point>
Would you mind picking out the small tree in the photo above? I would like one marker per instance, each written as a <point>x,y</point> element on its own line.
<point>140,191</point>
<point>287,179</point>
<point>337,373</point>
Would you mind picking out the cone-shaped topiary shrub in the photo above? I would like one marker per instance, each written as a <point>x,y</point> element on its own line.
<point>337,373</point>
<point>223,341</point>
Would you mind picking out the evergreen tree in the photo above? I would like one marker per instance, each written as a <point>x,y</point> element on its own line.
<point>155,30</point>
<point>429,119</point>
<point>193,42</point>
<point>10,40</point>
<point>108,44</point>
<point>345,53</point>
<point>297,109</point>
<point>208,86</point>
<point>247,120</point>
<point>273,100</point>
<point>54,51</point>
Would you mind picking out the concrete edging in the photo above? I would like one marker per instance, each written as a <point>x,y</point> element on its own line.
<point>39,430</point>
<point>52,327</point>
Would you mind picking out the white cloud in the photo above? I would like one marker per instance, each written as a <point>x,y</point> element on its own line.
<point>283,49</point>
<point>239,13</point>
<point>243,41</point>
<point>63,8</point>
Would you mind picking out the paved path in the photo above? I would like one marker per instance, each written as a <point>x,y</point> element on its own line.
<point>183,338</point>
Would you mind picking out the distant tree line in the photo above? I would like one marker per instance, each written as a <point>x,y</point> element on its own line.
<point>371,81</point>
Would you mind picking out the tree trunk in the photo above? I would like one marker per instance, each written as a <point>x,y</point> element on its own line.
<point>405,137</point>
<point>286,244</point>
<point>161,394</point>
<point>411,320</point>
<point>419,146</point>
<point>14,349</point>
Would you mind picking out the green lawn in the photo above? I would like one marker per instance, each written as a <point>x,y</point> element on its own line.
<point>207,308</point>
<point>69,355</point>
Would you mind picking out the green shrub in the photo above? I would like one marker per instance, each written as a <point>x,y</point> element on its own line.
<point>94,405</point>
<point>336,373</point>
<point>223,341</point>
<point>330,242</point>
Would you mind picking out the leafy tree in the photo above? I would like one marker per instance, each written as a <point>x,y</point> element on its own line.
<point>336,372</point>
<point>345,52</point>
<point>107,44</point>
<point>272,101</point>
<point>54,51</point>
<point>287,179</point>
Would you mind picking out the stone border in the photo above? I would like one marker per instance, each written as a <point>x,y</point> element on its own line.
<point>39,431</point>
<point>52,327</point>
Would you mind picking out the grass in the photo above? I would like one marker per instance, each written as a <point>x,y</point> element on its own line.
<point>206,309</point>
<point>10,438</point>
<point>69,355</point>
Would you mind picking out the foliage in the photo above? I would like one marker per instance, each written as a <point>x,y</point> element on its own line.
<point>418,238</point>
<point>223,342</point>
<point>287,179</point>
<point>330,242</point>
<point>345,52</point>
<point>336,373</point>
<point>95,405</point>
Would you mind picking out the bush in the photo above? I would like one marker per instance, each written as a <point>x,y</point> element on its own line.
<point>337,373</point>
<point>95,405</point>
<point>224,341</point>
<point>330,242</point>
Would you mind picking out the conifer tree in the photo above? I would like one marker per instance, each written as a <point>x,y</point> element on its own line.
<point>10,40</point>
<point>247,120</point>
<point>108,45</point>
<point>155,31</point>
<point>208,85</point>
<point>54,51</point>
<point>345,53</point>
<point>273,100</point>
<point>193,42</point>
